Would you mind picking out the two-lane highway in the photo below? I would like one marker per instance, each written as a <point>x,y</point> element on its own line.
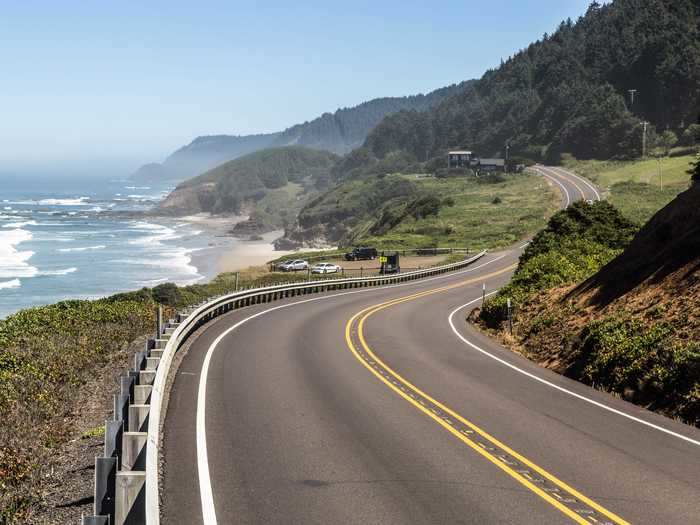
<point>384,406</point>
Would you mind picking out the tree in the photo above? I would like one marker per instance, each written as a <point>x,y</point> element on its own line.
<point>695,169</point>
<point>691,135</point>
<point>668,139</point>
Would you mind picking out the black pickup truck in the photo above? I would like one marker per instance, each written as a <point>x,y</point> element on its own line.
<point>361,253</point>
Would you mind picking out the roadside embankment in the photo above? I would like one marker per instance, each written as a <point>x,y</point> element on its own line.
<point>625,321</point>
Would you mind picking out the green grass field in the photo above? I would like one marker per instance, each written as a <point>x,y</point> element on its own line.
<point>635,187</point>
<point>492,215</point>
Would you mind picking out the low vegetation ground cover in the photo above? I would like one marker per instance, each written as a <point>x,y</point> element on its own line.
<point>409,211</point>
<point>642,346</point>
<point>635,186</point>
<point>49,353</point>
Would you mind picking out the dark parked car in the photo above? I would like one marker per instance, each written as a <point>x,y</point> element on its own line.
<point>361,253</point>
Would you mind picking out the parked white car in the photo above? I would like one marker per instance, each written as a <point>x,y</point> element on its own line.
<point>326,268</point>
<point>294,266</point>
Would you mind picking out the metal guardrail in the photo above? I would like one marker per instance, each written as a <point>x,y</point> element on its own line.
<point>421,252</point>
<point>126,477</point>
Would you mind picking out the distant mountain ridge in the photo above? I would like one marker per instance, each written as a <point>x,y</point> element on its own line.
<point>338,132</point>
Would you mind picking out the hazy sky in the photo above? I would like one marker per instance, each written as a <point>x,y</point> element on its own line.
<point>122,83</point>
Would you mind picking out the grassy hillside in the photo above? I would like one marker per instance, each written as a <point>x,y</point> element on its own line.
<point>635,187</point>
<point>416,211</point>
<point>271,185</point>
<point>617,314</point>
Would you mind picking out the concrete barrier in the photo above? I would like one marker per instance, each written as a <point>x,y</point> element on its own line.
<point>126,478</point>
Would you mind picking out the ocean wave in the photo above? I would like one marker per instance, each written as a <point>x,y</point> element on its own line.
<point>137,188</point>
<point>177,261</point>
<point>152,282</point>
<point>147,226</point>
<point>14,283</point>
<point>159,233</point>
<point>20,224</point>
<point>65,271</point>
<point>83,248</point>
<point>80,201</point>
<point>13,263</point>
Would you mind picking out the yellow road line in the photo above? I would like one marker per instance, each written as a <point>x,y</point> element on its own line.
<point>364,314</point>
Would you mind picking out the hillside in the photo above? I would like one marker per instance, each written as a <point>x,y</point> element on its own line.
<point>638,188</point>
<point>270,185</point>
<point>417,211</point>
<point>567,92</point>
<point>337,132</point>
<point>625,322</point>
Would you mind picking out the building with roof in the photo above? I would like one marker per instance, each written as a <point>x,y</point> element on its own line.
<point>459,159</point>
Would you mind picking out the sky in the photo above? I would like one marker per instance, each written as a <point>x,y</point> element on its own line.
<point>107,86</point>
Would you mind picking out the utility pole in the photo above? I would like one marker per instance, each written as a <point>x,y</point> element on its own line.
<point>159,321</point>
<point>507,148</point>
<point>510,317</point>
<point>483,294</point>
<point>661,173</point>
<point>631,92</point>
<point>644,139</point>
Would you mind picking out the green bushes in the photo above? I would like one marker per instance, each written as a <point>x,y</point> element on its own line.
<point>167,294</point>
<point>624,356</point>
<point>45,353</point>
<point>576,243</point>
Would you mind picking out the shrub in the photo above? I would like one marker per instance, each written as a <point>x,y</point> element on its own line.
<point>624,356</point>
<point>576,243</point>
<point>167,294</point>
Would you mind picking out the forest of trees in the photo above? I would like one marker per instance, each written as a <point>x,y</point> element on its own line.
<point>250,177</point>
<point>568,92</point>
<point>338,132</point>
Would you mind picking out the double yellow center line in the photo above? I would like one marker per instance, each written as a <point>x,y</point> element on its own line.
<point>547,486</point>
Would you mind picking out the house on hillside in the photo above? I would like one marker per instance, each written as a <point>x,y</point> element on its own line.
<point>466,159</point>
<point>459,159</point>
<point>491,165</point>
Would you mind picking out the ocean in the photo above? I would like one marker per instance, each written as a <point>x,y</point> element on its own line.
<point>66,238</point>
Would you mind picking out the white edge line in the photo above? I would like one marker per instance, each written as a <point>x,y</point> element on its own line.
<point>205,488</point>
<point>555,180</point>
<point>557,387</point>
<point>582,179</point>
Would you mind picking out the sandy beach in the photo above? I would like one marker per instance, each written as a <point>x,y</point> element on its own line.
<point>226,253</point>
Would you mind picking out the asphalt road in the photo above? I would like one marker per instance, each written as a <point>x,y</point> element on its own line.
<point>383,406</point>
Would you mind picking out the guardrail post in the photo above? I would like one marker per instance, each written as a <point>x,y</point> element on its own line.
<point>105,472</point>
<point>142,394</point>
<point>134,451</point>
<point>121,407</point>
<point>138,417</point>
<point>130,501</point>
<point>113,438</point>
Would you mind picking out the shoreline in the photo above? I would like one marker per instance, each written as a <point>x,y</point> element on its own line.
<point>228,253</point>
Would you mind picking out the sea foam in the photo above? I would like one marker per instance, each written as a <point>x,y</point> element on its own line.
<point>13,263</point>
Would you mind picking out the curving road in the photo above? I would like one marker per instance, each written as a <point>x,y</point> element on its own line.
<point>383,406</point>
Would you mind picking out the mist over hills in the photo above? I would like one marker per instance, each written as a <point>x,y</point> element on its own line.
<point>338,132</point>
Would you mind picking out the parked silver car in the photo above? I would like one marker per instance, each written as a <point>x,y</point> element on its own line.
<point>325,267</point>
<point>294,266</point>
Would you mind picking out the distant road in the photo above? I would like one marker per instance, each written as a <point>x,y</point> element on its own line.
<point>573,186</point>
<point>382,406</point>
